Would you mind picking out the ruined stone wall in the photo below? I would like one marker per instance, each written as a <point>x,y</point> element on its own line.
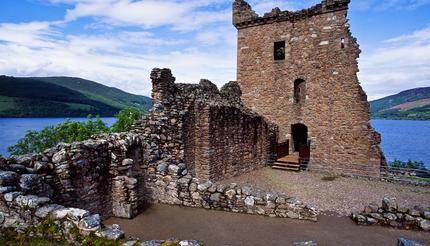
<point>214,135</point>
<point>320,50</point>
<point>394,215</point>
<point>82,175</point>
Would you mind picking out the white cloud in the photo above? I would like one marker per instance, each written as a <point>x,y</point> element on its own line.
<point>27,49</point>
<point>181,15</point>
<point>403,63</point>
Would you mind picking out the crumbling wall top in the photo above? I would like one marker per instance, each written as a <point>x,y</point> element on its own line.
<point>166,92</point>
<point>244,16</point>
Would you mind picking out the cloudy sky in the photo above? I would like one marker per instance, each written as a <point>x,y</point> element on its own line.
<point>118,42</point>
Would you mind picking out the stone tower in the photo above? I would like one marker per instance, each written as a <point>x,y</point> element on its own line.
<point>299,69</point>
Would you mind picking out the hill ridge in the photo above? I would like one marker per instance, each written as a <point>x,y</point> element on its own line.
<point>63,96</point>
<point>412,104</point>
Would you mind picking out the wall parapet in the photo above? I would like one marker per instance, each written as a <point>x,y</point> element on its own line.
<point>244,16</point>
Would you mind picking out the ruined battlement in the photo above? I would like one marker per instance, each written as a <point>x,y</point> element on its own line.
<point>244,16</point>
<point>167,93</point>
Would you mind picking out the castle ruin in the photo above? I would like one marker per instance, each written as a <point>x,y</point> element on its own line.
<point>297,83</point>
<point>299,69</point>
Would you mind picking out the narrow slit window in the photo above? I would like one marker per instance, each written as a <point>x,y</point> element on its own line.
<point>299,91</point>
<point>279,51</point>
<point>342,43</point>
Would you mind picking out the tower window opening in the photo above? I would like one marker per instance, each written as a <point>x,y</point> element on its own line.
<point>342,43</point>
<point>299,91</point>
<point>279,51</point>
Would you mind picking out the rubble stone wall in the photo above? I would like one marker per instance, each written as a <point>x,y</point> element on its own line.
<point>320,50</point>
<point>215,135</point>
<point>391,214</point>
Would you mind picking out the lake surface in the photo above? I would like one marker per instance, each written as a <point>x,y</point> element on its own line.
<point>405,139</point>
<point>401,139</point>
<point>13,129</point>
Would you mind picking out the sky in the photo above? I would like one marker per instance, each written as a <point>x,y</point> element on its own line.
<point>118,42</point>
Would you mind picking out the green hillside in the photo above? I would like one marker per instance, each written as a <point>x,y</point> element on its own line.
<point>63,97</point>
<point>407,105</point>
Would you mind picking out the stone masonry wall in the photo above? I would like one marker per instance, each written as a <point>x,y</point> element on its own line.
<point>217,137</point>
<point>320,50</point>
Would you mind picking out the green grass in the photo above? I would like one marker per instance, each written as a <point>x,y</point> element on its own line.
<point>419,179</point>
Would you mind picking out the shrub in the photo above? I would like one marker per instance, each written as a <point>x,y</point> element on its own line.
<point>67,132</point>
<point>125,119</point>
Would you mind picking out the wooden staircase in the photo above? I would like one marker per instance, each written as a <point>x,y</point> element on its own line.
<point>288,163</point>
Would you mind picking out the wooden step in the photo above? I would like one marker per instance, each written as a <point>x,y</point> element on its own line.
<point>296,169</point>
<point>283,164</point>
<point>289,159</point>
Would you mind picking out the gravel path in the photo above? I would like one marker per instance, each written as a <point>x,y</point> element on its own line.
<point>340,196</point>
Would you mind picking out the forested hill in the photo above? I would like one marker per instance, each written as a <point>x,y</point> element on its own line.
<point>63,97</point>
<point>407,105</point>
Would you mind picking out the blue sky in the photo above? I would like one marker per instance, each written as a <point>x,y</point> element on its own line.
<point>118,42</point>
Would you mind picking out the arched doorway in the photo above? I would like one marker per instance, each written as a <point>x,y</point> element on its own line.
<point>299,133</point>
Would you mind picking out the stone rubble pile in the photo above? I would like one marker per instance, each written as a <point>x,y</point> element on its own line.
<point>393,215</point>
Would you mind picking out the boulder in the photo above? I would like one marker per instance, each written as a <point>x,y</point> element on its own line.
<point>29,181</point>
<point>230,193</point>
<point>90,223</point>
<point>73,213</point>
<point>60,156</point>
<point>204,186</point>
<point>390,216</point>
<point>371,208</point>
<point>424,224</point>
<point>17,168</point>
<point>44,211</point>
<point>389,204</point>
<point>215,197</point>
<point>249,201</point>
<point>9,197</point>
<point>161,168</point>
<point>7,189</point>
<point>112,233</point>
<point>247,190</point>
<point>31,201</point>
<point>8,178</point>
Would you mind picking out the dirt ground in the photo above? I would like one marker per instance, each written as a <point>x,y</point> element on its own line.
<point>340,196</point>
<point>216,228</point>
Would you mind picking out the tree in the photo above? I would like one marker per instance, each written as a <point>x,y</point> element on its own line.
<point>419,165</point>
<point>126,119</point>
<point>72,131</point>
<point>67,132</point>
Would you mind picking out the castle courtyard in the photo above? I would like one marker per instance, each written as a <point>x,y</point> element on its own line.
<point>340,196</point>
<point>217,228</point>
